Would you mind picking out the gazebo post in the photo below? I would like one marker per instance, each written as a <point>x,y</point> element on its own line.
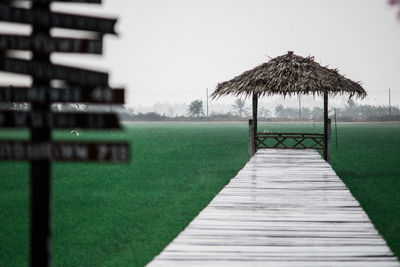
<point>255,107</point>
<point>326,125</point>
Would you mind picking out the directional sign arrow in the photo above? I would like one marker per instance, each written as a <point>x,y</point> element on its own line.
<point>46,70</point>
<point>65,151</point>
<point>60,120</point>
<point>43,18</point>
<point>45,44</point>
<point>96,95</point>
<point>69,1</point>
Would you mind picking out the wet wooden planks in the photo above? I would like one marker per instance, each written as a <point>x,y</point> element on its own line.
<point>284,208</point>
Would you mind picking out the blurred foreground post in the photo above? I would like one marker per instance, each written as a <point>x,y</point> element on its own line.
<point>40,184</point>
<point>74,85</point>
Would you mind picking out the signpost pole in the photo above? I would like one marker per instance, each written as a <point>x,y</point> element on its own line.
<point>40,247</point>
<point>80,86</point>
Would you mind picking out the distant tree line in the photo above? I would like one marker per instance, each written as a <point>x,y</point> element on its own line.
<point>368,112</point>
<point>351,112</point>
<point>239,112</point>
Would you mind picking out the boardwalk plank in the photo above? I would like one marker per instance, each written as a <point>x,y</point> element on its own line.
<point>284,208</point>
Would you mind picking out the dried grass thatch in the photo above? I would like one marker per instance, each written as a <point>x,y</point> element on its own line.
<point>287,75</point>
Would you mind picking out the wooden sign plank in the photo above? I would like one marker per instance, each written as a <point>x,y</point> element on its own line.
<point>68,1</point>
<point>60,120</point>
<point>46,70</point>
<point>43,18</point>
<point>65,151</point>
<point>45,44</point>
<point>96,95</point>
<point>90,86</point>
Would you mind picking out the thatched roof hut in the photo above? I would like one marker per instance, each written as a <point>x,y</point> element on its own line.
<point>288,75</point>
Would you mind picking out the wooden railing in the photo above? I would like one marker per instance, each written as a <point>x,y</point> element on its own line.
<point>289,140</point>
<point>262,140</point>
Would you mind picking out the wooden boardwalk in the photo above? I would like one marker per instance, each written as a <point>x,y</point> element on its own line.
<point>284,208</point>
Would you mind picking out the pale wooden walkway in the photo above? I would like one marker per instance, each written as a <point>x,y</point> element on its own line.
<point>284,208</point>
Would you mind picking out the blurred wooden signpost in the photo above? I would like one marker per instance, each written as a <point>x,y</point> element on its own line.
<point>78,85</point>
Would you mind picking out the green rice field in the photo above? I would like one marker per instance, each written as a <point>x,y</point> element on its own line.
<point>125,214</point>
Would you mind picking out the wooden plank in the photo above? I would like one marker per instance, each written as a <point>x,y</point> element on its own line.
<point>67,1</point>
<point>284,208</point>
<point>65,151</point>
<point>97,95</point>
<point>47,44</point>
<point>278,140</point>
<point>49,71</point>
<point>295,134</point>
<point>60,120</point>
<point>45,18</point>
<point>206,260</point>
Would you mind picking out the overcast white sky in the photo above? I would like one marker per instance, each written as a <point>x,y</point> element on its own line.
<point>173,50</point>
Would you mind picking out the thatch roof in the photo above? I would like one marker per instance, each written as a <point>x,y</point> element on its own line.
<point>287,75</point>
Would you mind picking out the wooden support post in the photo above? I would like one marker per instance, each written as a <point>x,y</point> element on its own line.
<point>79,86</point>
<point>255,107</point>
<point>40,186</point>
<point>326,126</point>
<point>328,144</point>
<point>250,147</point>
<point>336,138</point>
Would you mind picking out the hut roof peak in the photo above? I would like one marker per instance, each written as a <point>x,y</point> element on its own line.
<point>290,74</point>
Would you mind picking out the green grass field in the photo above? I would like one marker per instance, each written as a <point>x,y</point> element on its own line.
<point>125,214</point>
